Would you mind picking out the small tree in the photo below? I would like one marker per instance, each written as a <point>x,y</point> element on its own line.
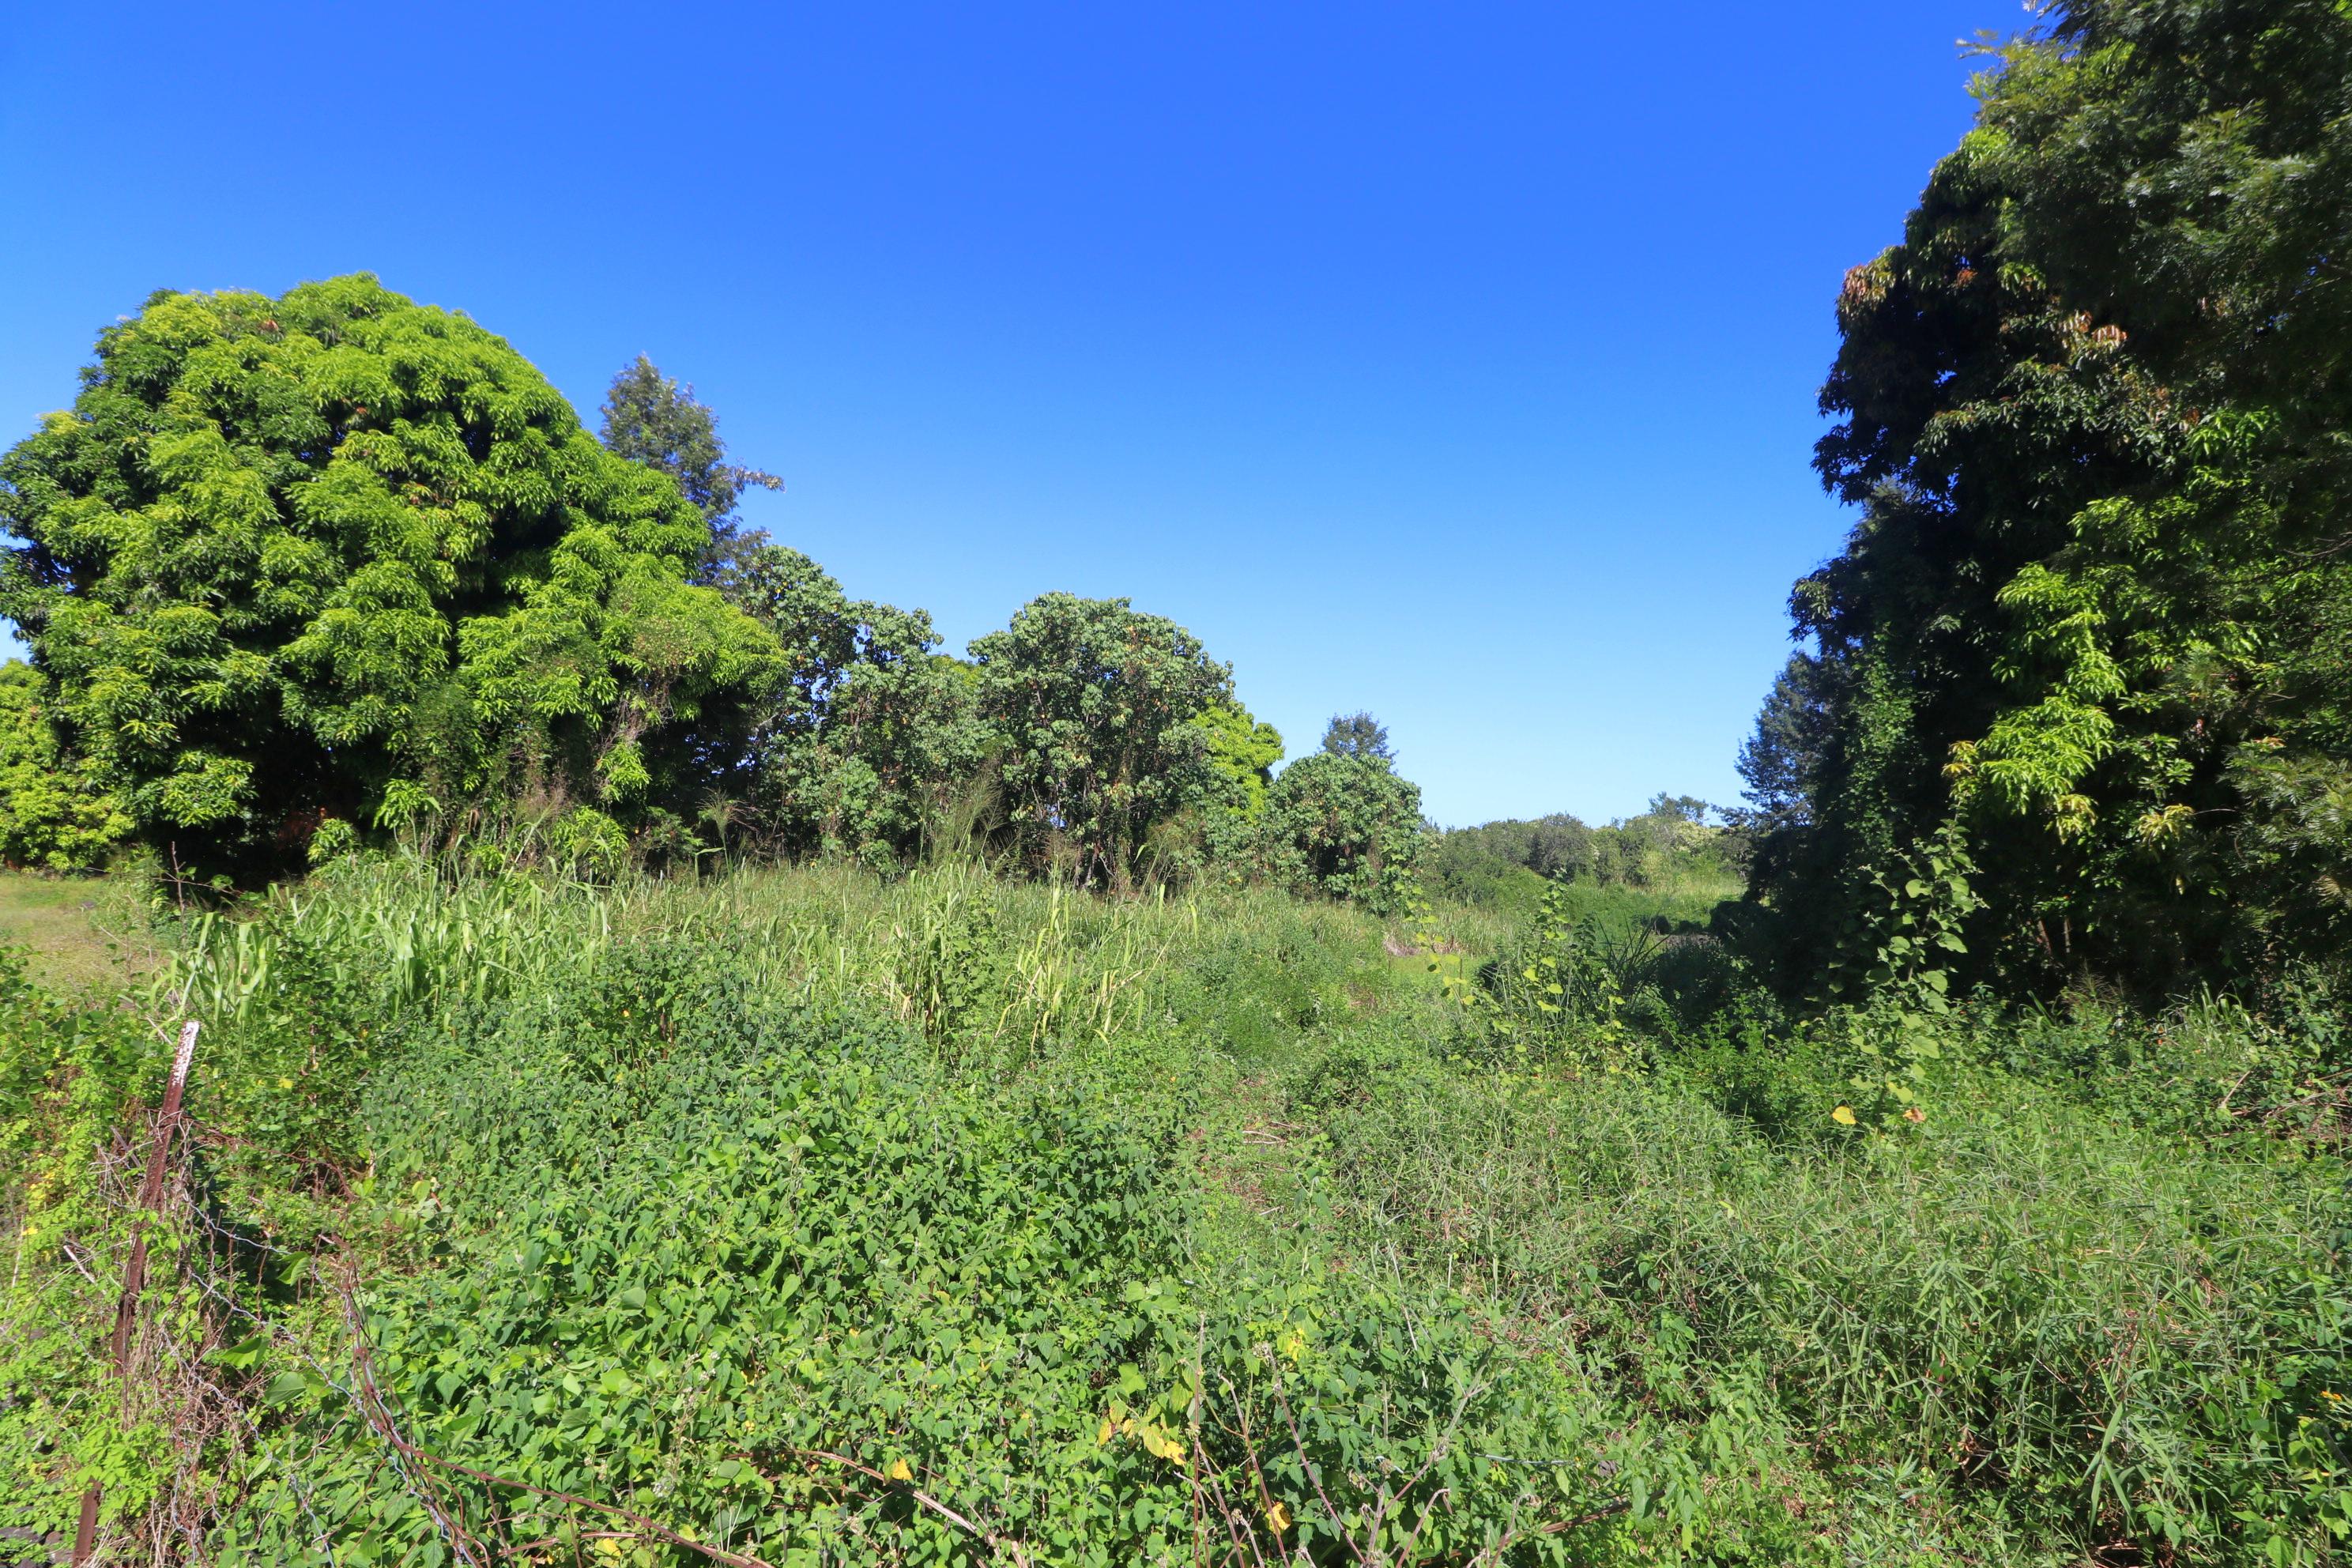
<point>1343,824</point>
<point>1358,734</point>
<point>651,419</point>
<point>1097,706</point>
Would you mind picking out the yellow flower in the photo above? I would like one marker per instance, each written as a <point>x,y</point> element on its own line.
<point>286,1083</point>
<point>900,1471</point>
<point>1843,1115</point>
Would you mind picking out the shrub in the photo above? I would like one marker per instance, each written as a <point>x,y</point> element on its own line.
<point>1342,825</point>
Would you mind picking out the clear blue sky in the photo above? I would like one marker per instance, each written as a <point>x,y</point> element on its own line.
<point>1453,362</point>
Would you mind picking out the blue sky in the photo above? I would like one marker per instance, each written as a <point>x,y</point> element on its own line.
<point>1452,362</point>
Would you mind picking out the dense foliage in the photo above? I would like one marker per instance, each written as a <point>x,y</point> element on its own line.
<point>337,556</point>
<point>1101,710</point>
<point>1342,823</point>
<point>55,814</point>
<point>808,1216</point>
<point>2094,408</point>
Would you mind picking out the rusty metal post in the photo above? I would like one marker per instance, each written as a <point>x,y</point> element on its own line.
<point>135,1278</point>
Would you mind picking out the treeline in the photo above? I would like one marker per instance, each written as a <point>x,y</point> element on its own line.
<point>307,573</point>
<point>2077,696</point>
<point>1671,848</point>
<point>2077,692</point>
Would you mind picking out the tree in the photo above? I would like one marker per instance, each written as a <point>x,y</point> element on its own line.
<point>1342,825</point>
<point>824,634</point>
<point>872,740</point>
<point>1097,708</point>
<point>2097,610</point>
<point>1358,734</point>
<point>1244,750</point>
<point>651,419</point>
<point>340,555</point>
<point>55,813</point>
<point>1781,761</point>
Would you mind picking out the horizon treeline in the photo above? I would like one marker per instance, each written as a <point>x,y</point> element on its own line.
<point>305,573</point>
<point>418,604</point>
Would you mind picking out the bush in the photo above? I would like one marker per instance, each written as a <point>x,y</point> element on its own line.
<point>1343,826</point>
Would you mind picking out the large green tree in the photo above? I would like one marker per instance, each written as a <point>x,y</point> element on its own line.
<point>340,555</point>
<point>872,744</point>
<point>1097,706</point>
<point>2093,410</point>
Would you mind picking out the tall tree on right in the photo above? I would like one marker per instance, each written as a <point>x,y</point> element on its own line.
<point>2097,608</point>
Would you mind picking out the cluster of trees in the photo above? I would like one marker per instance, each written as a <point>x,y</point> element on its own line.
<point>2093,630</point>
<point>1672,846</point>
<point>301,572</point>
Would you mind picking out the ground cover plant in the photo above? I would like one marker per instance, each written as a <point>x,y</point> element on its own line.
<point>814,1216</point>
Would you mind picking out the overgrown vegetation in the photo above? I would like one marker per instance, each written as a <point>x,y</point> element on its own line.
<point>2093,410</point>
<point>691,1072</point>
<point>811,1213</point>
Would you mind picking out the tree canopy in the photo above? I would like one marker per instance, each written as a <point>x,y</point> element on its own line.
<point>1342,823</point>
<point>2097,608</point>
<point>1099,707</point>
<point>340,555</point>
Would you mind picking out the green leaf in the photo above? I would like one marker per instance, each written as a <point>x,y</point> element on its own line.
<point>290,1385</point>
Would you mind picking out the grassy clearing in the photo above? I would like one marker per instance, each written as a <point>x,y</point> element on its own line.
<point>78,932</point>
<point>826,1220</point>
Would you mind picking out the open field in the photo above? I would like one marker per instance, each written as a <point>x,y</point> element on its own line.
<point>810,1218</point>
